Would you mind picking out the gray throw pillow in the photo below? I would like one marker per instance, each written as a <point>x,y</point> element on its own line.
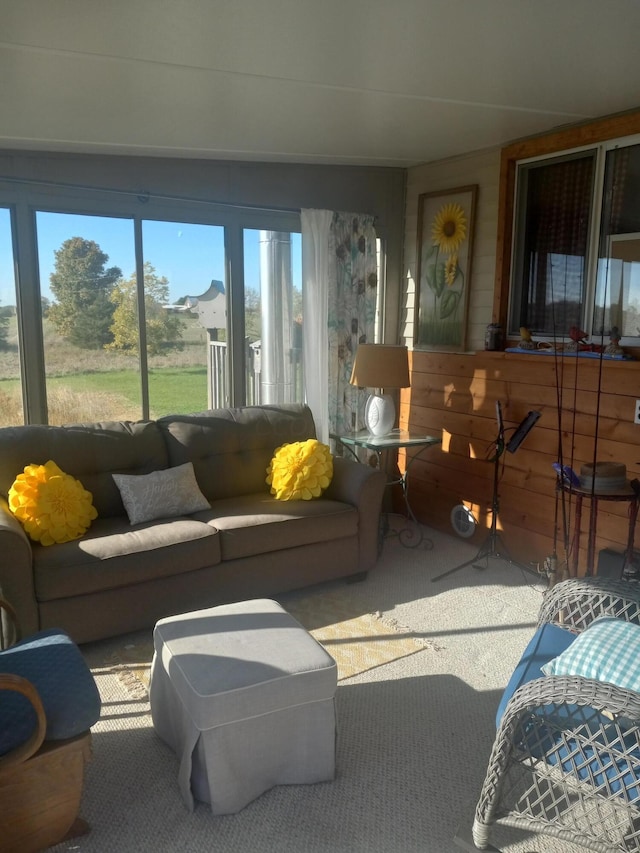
<point>161,494</point>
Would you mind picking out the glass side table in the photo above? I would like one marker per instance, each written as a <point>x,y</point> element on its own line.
<point>393,441</point>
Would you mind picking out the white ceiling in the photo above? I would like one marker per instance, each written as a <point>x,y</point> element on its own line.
<point>311,81</point>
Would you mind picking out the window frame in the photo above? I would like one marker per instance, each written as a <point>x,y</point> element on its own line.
<point>605,134</point>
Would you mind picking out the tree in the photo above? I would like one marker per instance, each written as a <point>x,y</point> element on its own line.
<point>82,286</point>
<point>252,316</point>
<point>5,313</point>
<point>163,328</point>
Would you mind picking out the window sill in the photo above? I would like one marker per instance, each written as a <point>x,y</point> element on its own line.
<point>564,353</point>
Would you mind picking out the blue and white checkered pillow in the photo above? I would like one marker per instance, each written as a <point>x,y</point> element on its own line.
<point>608,650</point>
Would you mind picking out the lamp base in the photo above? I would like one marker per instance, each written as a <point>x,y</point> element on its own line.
<point>380,414</point>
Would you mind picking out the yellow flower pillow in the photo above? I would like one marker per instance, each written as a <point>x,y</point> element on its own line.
<point>52,506</point>
<point>300,470</point>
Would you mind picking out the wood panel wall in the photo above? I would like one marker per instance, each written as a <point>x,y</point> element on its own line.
<point>454,397</point>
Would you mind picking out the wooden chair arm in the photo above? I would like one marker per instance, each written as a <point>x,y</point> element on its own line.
<point>32,745</point>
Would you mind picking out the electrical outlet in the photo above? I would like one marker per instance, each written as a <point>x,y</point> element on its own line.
<point>636,417</point>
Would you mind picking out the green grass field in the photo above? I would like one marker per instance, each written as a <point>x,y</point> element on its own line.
<point>177,390</point>
<point>88,385</point>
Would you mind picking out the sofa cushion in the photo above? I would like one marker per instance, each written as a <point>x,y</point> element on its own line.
<point>89,452</point>
<point>113,554</point>
<point>160,494</point>
<point>232,448</point>
<point>256,524</point>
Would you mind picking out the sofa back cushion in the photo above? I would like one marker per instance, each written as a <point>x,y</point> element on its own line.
<point>89,452</point>
<point>231,448</point>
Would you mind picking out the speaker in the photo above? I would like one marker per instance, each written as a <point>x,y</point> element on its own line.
<point>463,521</point>
<point>611,564</point>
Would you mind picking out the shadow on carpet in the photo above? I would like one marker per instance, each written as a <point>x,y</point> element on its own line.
<point>357,643</point>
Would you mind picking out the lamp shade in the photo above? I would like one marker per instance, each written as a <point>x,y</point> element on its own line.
<point>381,366</point>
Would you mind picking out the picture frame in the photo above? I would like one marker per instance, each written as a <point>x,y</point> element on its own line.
<point>446,221</point>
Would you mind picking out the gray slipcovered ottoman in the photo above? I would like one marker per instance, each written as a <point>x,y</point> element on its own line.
<point>246,699</point>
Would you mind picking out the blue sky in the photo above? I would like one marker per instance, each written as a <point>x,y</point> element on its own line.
<point>189,255</point>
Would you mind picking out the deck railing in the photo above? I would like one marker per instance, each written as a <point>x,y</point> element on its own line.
<point>218,372</point>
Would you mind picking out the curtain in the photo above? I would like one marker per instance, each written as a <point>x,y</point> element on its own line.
<point>340,280</point>
<point>316,225</point>
<point>557,233</point>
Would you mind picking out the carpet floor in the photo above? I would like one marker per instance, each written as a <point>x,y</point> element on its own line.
<point>414,732</point>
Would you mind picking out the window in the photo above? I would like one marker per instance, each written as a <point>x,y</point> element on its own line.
<point>185,308</point>
<point>576,255</point>
<point>11,409</point>
<point>129,307</point>
<point>617,301</point>
<point>114,350</point>
<point>81,260</point>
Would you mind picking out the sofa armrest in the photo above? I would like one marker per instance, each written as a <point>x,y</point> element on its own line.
<point>16,570</point>
<point>576,602</point>
<point>362,487</point>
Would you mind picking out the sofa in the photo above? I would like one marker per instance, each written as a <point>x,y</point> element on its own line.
<point>120,577</point>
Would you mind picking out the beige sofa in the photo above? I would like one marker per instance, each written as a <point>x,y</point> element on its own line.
<point>120,577</point>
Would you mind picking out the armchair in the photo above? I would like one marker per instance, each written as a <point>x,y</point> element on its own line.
<point>48,702</point>
<point>566,757</point>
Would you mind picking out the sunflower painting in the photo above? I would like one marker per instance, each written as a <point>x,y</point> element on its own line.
<point>445,221</point>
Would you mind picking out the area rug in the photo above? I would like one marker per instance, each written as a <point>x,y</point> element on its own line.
<point>356,641</point>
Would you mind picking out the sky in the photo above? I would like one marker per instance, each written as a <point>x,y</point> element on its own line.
<point>189,255</point>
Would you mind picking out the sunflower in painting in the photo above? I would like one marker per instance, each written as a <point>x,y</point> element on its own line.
<point>449,228</point>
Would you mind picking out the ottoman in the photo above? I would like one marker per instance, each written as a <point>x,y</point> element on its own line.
<point>246,699</point>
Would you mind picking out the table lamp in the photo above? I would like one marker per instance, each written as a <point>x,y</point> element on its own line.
<point>380,366</point>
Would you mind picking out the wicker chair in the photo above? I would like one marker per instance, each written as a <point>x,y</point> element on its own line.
<point>566,757</point>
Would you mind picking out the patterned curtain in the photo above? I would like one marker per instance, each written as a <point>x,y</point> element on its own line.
<point>353,283</point>
<point>339,290</point>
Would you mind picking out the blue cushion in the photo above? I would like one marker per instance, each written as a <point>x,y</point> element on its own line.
<point>547,642</point>
<point>602,765</point>
<point>53,663</point>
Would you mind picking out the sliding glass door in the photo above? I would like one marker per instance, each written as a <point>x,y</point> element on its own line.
<point>11,407</point>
